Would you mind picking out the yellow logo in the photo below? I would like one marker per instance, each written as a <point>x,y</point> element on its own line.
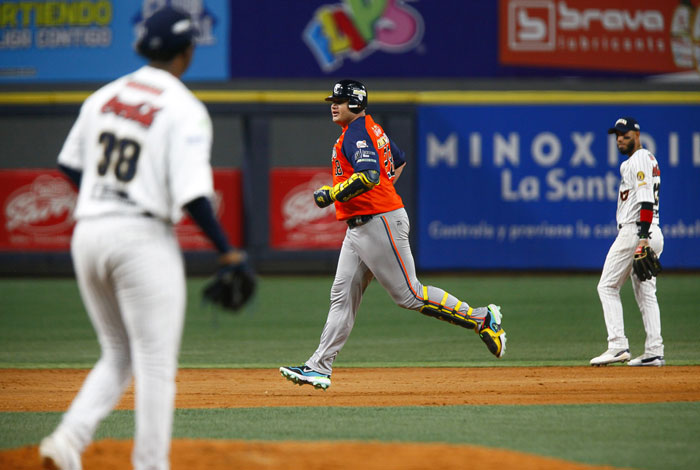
<point>640,176</point>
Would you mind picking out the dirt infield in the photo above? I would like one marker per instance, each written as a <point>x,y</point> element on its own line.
<point>52,390</point>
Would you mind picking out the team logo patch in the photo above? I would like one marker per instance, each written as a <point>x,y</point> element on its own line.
<point>640,176</point>
<point>361,144</point>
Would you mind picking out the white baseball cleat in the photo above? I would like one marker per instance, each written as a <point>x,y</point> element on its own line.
<point>611,356</point>
<point>648,359</point>
<point>57,452</point>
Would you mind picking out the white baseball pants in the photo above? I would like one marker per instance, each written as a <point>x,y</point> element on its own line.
<point>132,281</point>
<point>617,268</point>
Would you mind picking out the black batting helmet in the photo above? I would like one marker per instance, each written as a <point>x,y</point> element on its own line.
<point>351,91</point>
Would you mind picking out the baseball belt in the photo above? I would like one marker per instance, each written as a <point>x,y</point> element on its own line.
<point>359,220</point>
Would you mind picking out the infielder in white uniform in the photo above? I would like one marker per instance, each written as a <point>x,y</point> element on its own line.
<point>638,225</point>
<point>139,153</point>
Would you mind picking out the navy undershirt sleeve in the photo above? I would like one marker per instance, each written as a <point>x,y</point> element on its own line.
<point>359,149</point>
<point>74,175</point>
<point>202,213</point>
<point>398,154</point>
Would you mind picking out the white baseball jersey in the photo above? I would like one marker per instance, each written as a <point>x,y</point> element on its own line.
<point>640,183</point>
<point>142,143</point>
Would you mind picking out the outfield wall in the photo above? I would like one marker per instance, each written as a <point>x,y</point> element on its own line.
<point>538,165</point>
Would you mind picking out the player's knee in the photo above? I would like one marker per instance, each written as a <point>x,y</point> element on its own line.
<point>605,290</point>
<point>407,300</point>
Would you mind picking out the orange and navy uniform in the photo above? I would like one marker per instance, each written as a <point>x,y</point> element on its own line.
<point>364,145</point>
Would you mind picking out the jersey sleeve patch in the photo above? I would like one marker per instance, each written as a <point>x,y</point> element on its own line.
<point>640,178</point>
<point>364,156</point>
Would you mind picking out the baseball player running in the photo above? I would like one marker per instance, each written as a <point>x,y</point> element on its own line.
<point>638,225</point>
<point>139,153</point>
<point>366,163</point>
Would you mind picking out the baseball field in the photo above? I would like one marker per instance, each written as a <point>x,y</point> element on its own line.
<point>408,392</point>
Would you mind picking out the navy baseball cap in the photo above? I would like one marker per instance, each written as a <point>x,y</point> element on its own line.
<point>624,125</point>
<point>165,33</point>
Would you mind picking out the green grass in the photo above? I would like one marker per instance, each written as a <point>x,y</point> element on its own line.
<point>550,320</point>
<point>618,435</point>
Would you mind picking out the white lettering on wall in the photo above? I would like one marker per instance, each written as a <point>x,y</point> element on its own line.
<point>506,149</point>
<point>443,151</point>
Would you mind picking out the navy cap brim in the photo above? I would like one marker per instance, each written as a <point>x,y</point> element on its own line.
<point>623,129</point>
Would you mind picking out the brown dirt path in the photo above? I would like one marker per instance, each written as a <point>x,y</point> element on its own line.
<point>52,390</point>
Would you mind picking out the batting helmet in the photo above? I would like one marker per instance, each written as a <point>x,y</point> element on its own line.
<point>351,91</point>
<point>165,34</point>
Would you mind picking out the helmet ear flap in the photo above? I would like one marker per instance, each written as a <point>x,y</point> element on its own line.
<point>355,105</point>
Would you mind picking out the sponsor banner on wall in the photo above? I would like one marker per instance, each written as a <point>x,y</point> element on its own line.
<point>296,222</point>
<point>228,206</point>
<point>92,40</point>
<point>536,187</point>
<point>37,208</point>
<point>381,38</point>
<point>645,36</point>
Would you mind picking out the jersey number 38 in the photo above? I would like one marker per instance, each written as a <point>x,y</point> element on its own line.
<point>127,155</point>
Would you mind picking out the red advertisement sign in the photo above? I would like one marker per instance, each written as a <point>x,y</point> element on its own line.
<point>296,223</point>
<point>228,205</point>
<point>37,207</point>
<point>646,36</point>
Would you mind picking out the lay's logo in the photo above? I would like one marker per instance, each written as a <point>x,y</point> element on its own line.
<point>356,28</point>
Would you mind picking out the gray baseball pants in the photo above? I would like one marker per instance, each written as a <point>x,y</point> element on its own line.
<point>380,248</point>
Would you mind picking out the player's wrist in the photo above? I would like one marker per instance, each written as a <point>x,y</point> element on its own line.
<point>233,257</point>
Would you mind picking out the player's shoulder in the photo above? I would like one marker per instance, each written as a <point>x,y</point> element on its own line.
<point>643,157</point>
<point>357,130</point>
<point>105,90</point>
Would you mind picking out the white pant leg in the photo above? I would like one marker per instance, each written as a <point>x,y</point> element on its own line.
<point>616,270</point>
<point>351,279</point>
<point>111,375</point>
<point>131,277</point>
<point>150,286</point>
<point>645,294</point>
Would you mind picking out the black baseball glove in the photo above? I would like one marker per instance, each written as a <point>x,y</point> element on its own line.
<point>232,287</point>
<point>646,264</point>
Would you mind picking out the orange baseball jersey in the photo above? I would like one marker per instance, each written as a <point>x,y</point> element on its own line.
<point>364,145</point>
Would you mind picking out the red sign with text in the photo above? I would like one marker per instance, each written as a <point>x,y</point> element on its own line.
<point>646,36</point>
<point>37,207</point>
<point>296,222</point>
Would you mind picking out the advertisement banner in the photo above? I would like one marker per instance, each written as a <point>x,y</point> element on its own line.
<point>37,208</point>
<point>535,187</point>
<point>92,40</point>
<point>296,222</point>
<point>379,38</point>
<point>646,36</point>
<point>228,206</point>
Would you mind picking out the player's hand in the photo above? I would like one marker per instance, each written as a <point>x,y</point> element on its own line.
<point>322,196</point>
<point>645,264</point>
